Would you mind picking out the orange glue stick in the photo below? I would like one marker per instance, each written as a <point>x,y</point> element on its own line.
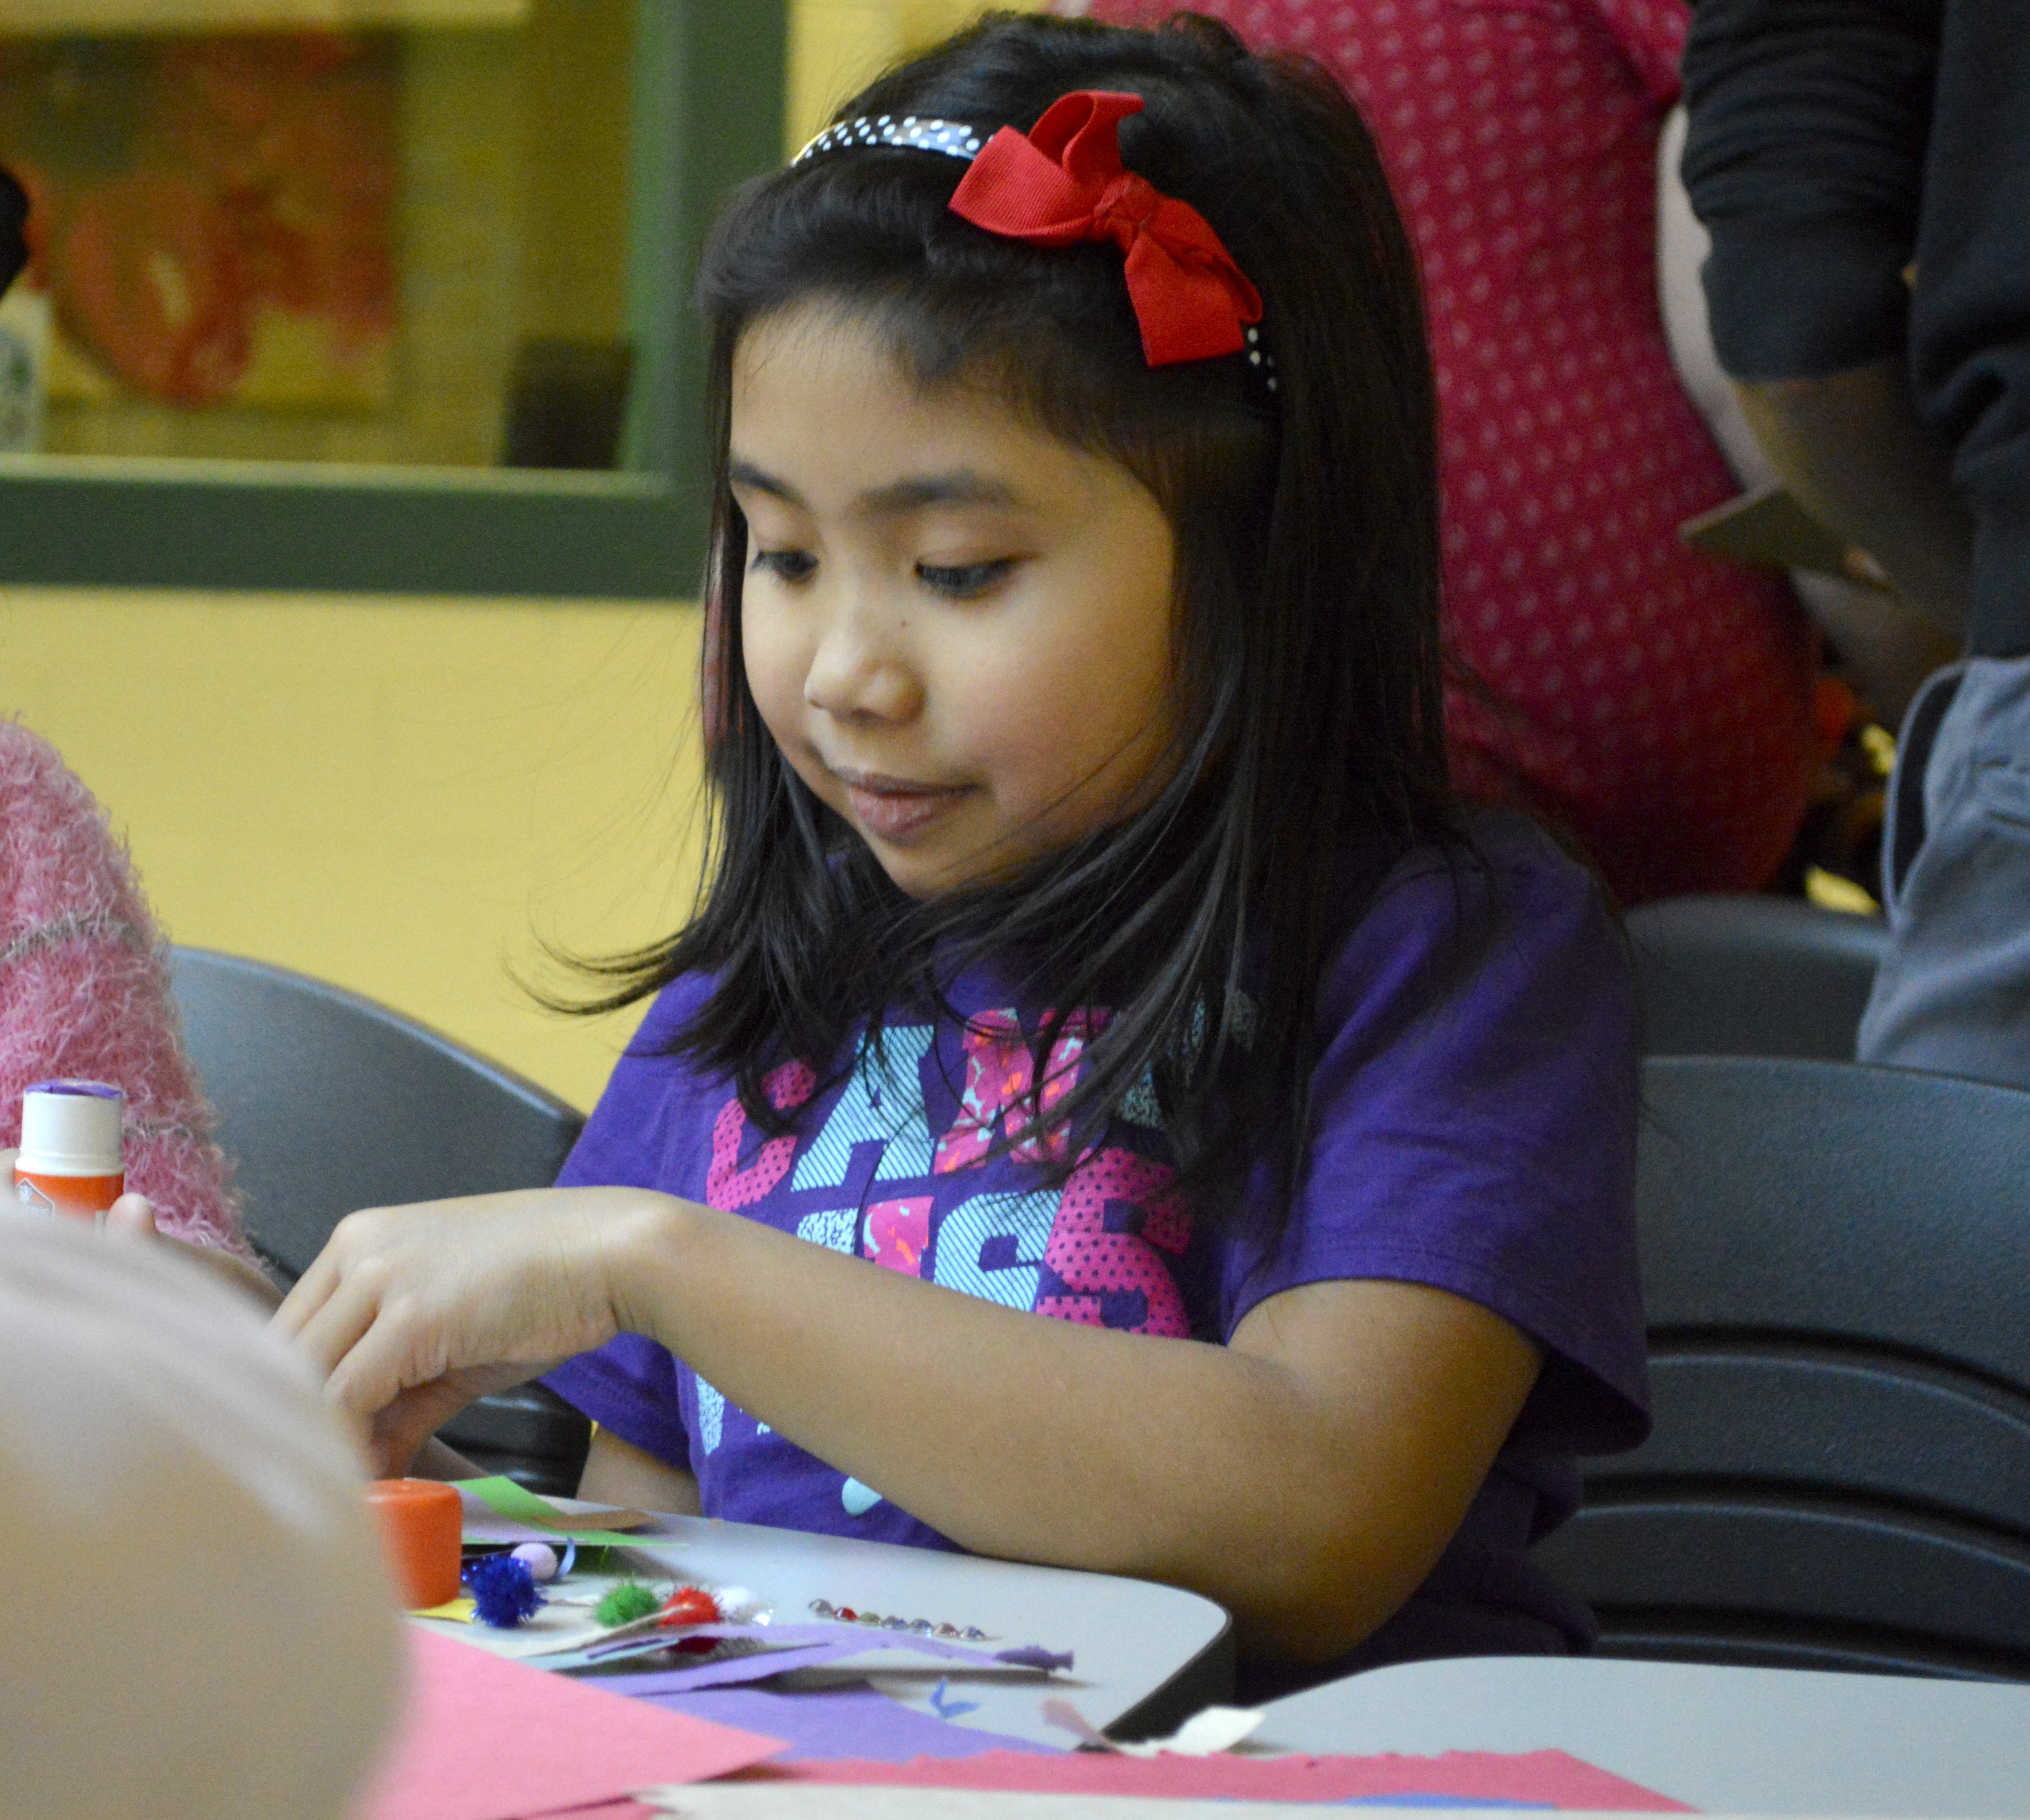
<point>70,1165</point>
<point>422,1521</point>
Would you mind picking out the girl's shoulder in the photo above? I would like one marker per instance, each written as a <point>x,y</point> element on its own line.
<point>654,1094</point>
<point>1473,1107</point>
<point>1494,910</point>
<point>669,1012</point>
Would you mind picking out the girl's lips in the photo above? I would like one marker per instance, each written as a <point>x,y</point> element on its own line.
<point>894,809</point>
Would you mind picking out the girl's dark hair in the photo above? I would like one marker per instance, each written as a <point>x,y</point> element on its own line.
<point>1305,634</point>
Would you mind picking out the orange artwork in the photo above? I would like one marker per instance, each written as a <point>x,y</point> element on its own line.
<point>213,217</point>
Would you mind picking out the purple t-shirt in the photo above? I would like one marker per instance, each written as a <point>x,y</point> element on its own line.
<point>1474,1128</point>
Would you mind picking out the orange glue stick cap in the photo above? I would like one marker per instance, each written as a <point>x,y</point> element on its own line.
<point>421,1521</point>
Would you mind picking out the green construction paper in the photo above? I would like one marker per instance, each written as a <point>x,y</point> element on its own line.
<point>518,1504</point>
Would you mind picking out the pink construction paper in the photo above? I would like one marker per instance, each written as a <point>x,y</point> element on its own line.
<point>486,1739</point>
<point>1543,1778</point>
<point>626,1808</point>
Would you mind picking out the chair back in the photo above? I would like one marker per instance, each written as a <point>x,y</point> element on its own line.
<point>328,1102</point>
<point>1752,976</point>
<point>1836,1264</point>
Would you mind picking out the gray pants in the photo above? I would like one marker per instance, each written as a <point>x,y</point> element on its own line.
<point>1953,993</point>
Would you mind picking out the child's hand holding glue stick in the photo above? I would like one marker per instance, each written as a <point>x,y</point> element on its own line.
<point>70,1166</point>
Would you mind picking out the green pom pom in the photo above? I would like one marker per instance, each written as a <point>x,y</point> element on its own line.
<point>627,1601</point>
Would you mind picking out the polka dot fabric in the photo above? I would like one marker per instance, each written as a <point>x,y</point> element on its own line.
<point>1654,701</point>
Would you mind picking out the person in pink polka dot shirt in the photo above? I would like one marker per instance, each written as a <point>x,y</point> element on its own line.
<point>1652,700</point>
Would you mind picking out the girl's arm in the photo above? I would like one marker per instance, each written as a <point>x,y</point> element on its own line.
<point>1307,1475</point>
<point>617,1472</point>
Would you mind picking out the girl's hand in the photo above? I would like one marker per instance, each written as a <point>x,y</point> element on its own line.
<point>409,1313</point>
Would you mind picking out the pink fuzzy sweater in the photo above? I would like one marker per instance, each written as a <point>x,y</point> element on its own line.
<point>84,991</point>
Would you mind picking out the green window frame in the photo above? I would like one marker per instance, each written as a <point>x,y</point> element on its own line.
<point>707,112</point>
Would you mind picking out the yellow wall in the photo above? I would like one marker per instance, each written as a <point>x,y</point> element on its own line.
<point>836,46</point>
<point>408,796</point>
<point>400,796</point>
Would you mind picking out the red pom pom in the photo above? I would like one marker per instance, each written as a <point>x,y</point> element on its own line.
<point>689,1605</point>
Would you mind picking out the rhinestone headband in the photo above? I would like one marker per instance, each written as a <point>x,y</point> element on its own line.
<point>1063,182</point>
<point>952,137</point>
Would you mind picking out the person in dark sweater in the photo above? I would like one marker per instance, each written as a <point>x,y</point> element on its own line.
<point>1862,165</point>
<point>13,229</point>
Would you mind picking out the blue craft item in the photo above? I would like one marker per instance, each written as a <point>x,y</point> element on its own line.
<point>945,1707</point>
<point>504,1591</point>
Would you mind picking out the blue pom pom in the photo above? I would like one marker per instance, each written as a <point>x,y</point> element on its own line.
<point>504,1589</point>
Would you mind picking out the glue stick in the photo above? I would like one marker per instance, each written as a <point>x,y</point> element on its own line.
<point>70,1164</point>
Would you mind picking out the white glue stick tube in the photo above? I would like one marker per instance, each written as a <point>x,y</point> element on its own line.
<point>70,1165</point>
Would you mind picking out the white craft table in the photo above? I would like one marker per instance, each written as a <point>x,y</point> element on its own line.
<point>1150,1655</point>
<point>1725,1741</point>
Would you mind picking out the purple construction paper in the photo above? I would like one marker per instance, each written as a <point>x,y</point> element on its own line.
<point>851,1722</point>
<point>848,1639</point>
<point>763,1666</point>
<point>1030,1656</point>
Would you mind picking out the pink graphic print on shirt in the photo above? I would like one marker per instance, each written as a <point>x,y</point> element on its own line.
<point>898,1234</point>
<point>727,1186</point>
<point>1000,1075</point>
<point>1118,1212</point>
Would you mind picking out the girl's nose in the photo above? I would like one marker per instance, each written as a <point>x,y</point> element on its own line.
<point>858,672</point>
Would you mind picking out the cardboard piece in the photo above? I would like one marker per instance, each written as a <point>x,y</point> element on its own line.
<point>1534,1778</point>
<point>1768,529</point>
<point>497,1510</point>
<point>485,1739</point>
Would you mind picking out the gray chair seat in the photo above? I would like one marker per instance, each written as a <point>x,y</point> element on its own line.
<point>1752,976</point>
<point>1836,1266</point>
<point>328,1102</point>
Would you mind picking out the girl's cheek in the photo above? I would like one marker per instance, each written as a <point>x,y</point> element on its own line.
<point>774,677</point>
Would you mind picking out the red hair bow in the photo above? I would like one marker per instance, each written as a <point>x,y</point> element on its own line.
<point>1064,183</point>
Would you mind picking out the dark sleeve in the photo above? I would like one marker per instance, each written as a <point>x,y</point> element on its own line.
<point>13,230</point>
<point>1805,159</point>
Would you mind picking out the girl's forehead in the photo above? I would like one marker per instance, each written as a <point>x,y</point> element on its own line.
<point>821,400</point>
<point>822,347</point>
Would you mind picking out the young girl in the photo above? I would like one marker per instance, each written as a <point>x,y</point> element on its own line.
<point>1110,1110</point>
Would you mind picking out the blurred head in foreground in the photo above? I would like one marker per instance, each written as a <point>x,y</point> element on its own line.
<point>197,1621</point>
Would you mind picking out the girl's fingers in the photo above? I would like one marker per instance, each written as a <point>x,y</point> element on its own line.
<point>309,1292</point>
<point>401,1298</point>
<point>329,1331</point>
<point>313,1288</point>
<point>374,1370</point>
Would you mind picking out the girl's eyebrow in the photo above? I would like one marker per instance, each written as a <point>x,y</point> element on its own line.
<point>745,474</point>
<point>958,486</point>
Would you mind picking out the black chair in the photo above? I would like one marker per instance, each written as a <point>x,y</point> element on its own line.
<point>1837,1264</point>
<point>1752,976</point>
<point>329,1102</point>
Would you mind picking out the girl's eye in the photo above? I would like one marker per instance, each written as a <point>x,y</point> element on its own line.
<point>787,566</point>
<point>964,580</point>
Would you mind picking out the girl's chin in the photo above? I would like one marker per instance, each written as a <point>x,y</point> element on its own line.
<point>929,869</point>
